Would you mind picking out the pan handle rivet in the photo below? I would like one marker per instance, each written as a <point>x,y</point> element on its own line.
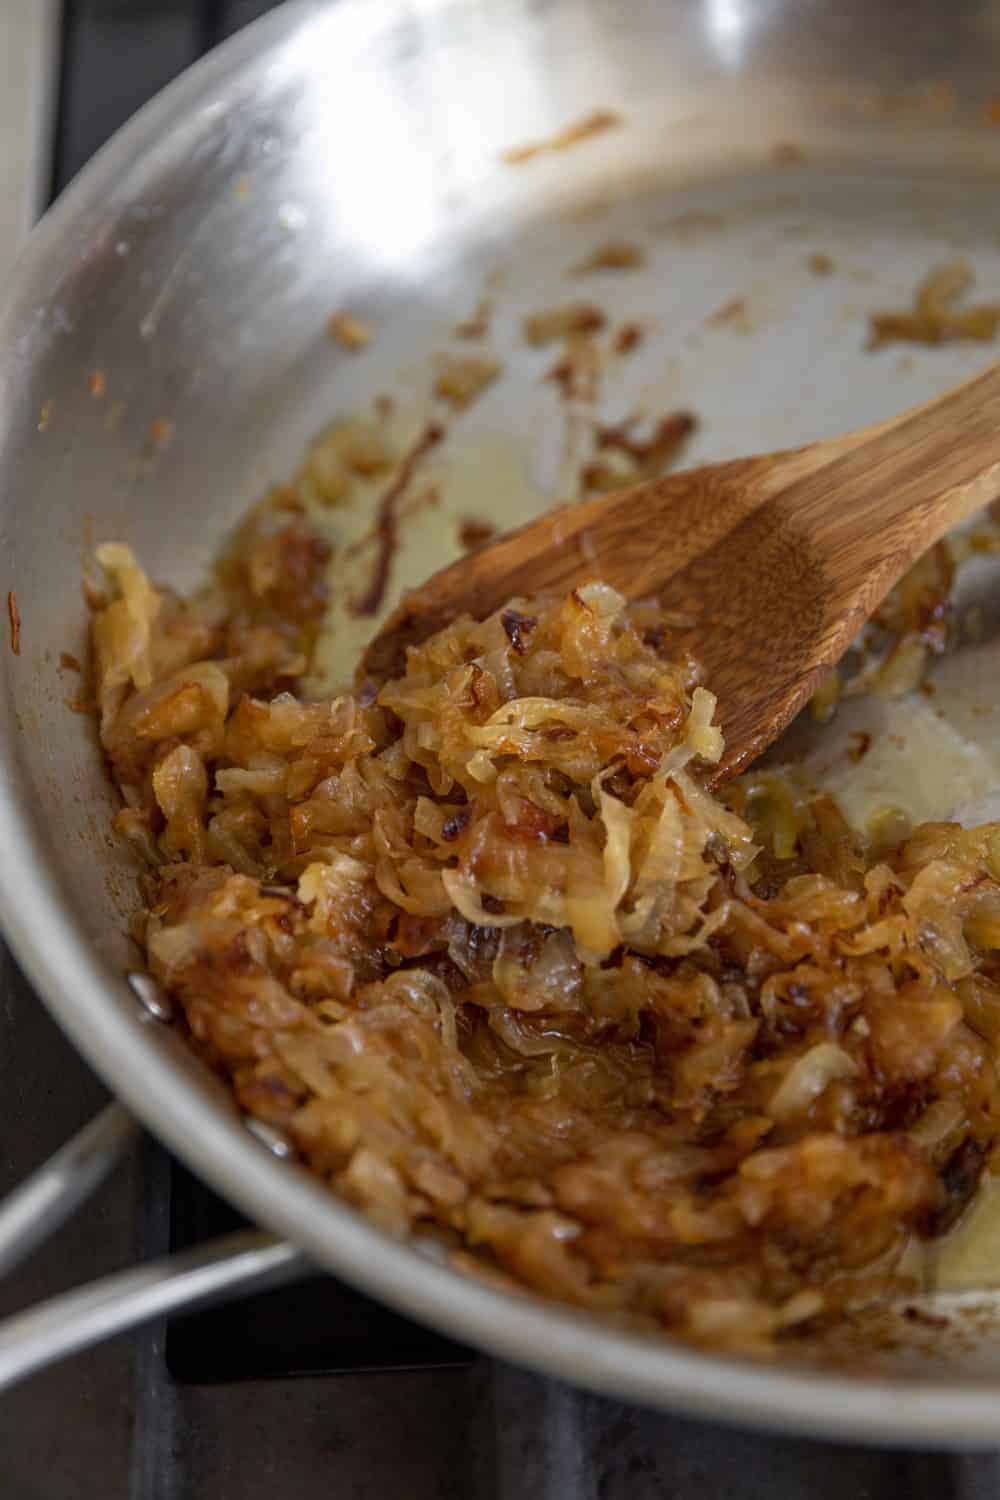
<point>275,1140</point>
<point>150,996</point>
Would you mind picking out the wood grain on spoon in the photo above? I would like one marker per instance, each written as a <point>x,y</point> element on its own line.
<point>779,559</point>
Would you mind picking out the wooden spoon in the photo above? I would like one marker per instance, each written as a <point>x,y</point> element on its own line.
<point>779,559</point>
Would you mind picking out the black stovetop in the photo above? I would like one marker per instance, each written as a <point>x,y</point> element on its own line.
<point>317,1326</point>
<point>116,54</point>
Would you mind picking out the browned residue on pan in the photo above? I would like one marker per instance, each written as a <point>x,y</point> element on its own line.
<point>628,337</point>
<point>571,320</point>
<point>613,255</point>
<point>935,316</point>
<point>478,326</point>
<point>350,332</point>
<point>636,458</point>
<point>595,123</point>
<point>14,615</point>
<point>387,521</point>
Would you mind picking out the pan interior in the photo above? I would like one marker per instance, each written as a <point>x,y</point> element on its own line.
<point>201,292</point>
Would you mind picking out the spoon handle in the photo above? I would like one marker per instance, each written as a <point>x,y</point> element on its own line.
<point>873,501</point>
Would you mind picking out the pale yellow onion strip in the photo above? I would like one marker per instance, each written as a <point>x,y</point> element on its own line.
<point>656,882</point>
<point>618,820</point>
<point>432,904</point>
<point>141,604</point>
<point>704,737</point>
<point>718,819</point>
<point>808,1077</point>
<point>677,947</point>
<point>468,904</point>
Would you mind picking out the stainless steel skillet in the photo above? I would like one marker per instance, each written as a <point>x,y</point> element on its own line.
<point>350,154</point>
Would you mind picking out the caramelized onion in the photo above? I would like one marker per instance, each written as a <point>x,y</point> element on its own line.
<point>487,950</point>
